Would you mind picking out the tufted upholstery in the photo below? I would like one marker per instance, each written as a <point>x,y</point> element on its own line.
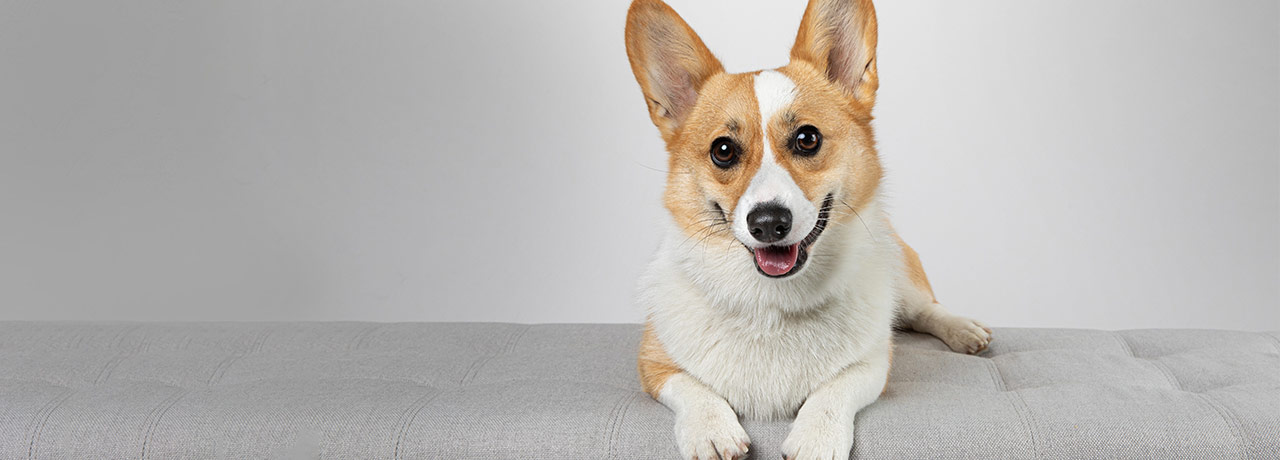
<point>437,390</point>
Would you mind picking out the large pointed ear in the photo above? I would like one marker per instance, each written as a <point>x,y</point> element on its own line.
<point>669,60</point>
<point>839,38</point>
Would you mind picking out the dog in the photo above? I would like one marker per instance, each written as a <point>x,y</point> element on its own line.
<point>776,288</point>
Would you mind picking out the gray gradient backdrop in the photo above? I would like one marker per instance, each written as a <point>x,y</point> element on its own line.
<point>1109,164</point>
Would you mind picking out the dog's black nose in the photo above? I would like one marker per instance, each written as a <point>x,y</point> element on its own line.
<point>769,222</point>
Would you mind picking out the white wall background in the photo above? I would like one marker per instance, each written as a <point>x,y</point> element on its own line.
<point>1108,164</point>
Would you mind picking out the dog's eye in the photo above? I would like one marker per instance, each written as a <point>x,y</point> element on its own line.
<point>807,141</point>
<point>724,152</point>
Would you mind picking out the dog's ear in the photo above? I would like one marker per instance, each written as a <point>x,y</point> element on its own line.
<point>669,61</point>
<point>839,38</point>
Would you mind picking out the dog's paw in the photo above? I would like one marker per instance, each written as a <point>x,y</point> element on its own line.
<point>711,434</point>
<point>814,439</point>
<point>965,335</point>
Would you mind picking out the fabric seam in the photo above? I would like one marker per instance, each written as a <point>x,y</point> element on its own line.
<point>616,423</point>
<point>1028,420</point>
<point>163,409</point>
<point>410,416</point>
<point>44,415</point>
<point>1236,430</point>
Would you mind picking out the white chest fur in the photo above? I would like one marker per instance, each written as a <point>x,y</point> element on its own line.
<point>766,344</point>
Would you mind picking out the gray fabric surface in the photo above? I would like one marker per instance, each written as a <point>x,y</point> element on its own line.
<point>435,390</point>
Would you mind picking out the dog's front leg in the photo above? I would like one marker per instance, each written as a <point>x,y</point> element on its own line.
<point>824,426</point>
<point>706,427</point>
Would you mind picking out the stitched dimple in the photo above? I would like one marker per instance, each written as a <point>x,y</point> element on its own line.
<point>221,369</point>
<point>79,340</point>
<point>124,334</point>
<point>1275,340</point>
<point>262,339</point>
<point>256,346</point>
<point>997,376</point>
<point>515,339</point>
<point>1124,343</point>
<point>507,348</point>
<point>359,341</point>
<point>1174,383</point>
<point>142,347</point>
<point>105,373</point>
<point>474,369</point>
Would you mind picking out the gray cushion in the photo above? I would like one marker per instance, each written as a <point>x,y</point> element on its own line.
<point>438,390</point>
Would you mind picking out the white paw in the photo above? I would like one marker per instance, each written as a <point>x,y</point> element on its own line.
<point>965,335</point>
<point>825,438</point>
<point>711,433</point>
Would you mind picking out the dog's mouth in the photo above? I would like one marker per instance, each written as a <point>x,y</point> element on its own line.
<point>783,261</point>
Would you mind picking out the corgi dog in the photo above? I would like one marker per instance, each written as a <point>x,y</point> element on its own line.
<point>777,285</point>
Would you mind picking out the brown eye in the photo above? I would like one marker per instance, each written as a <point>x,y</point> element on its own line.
<point>724,152</point>
<point>807,141</point>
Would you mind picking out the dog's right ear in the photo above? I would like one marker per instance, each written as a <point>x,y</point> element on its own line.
<point>670,62</point>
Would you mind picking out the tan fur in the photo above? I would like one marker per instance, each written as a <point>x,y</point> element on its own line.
<point>915,270</point>
<point>849,154</point>
<point>693,181</point>
<point>662,48</point>
<point>822,27</point>
<point>655,365</point>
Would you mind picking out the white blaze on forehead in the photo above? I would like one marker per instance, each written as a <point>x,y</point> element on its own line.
<point>774,92</point>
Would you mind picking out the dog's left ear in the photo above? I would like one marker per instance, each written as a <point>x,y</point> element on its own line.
<point>839,38</point>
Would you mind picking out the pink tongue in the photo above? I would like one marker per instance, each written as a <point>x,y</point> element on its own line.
<point>777,261</point>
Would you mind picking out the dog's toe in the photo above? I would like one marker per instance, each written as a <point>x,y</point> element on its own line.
<point>712,435</point>
<point>966,336</point>
<point>818,439</point>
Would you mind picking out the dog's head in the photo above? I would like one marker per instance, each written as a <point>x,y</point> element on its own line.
<point>768,160</point>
